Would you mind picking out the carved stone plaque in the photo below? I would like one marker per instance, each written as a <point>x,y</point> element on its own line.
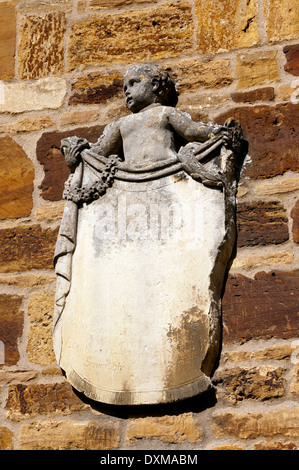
<point>147,233</point>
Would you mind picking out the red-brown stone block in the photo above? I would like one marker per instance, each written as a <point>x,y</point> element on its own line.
<point>48,153</point>
<point>263,307</point>
<point>292,57</point>
<point>11,327</point>
<point>27,247</point>
<point>273,137</point>
<point>295,217</point>
<point>96,88</point>
<point>261,223</point>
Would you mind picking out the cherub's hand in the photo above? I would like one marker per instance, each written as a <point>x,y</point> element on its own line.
<point>71,147</point>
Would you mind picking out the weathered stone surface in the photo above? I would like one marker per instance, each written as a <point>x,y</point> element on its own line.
<point>76,118</point>
<point>295,379</point>
<point>256,69</point>
<point>16,180</point>
<point>277,353</point>
<point>282,422</point>
<point>281,19</point>
<point>172,429</point>
<point>292,57</point>
<point>46,93</point>
<point>97,88</point>
<point>295,217</point>
<point>44,6</point>
<point>6,438</point>
<point>11,326</point>
<point>192,74</point>
<point>260,94</point>
<point>50,211</point>
<point>24,401</point>
<point>160,32</point>
<point>235,356</point>
<point>263,307</point>
<point>280,186</point>
<point>41,46</point>
<point>276,446</point>
<point>258,383</point>
<point>7,39</point>
<point>226,25</point>
<point>261,223</point>
<point>273,137</point>
<point>275,258</point>
<point>17,376</point>
<point>48,153</point>
<point>27,247</point>
<point>40,344</point>
<point>27,124</point>
<point>27,280</point>
<point>70,435</point>
<point>97,4</point>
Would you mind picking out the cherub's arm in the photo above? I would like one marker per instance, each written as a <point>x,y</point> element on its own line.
<point>191,130</point>
<point>110,141</point>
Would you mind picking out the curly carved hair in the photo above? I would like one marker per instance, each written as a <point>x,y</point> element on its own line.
<point>166,92</point>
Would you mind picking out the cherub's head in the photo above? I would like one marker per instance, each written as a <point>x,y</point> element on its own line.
<point>148,84</point>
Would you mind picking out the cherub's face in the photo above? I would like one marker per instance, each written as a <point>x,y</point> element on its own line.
<point>139,91</point>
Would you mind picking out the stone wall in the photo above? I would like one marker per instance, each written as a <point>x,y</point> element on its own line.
<point>61,69</point>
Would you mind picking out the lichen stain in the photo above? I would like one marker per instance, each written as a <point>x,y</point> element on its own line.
<point>189,343</point>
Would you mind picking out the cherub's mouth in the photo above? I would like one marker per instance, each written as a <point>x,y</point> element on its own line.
<point>129,99</point>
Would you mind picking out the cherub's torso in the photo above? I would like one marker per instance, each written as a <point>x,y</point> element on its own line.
<point>147,136</point>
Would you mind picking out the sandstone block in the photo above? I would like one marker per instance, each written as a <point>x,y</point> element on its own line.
<point>268,259</point>
<point>272,134</point>
<point>11,327</point>
<point>281,19</point>
<point>69,435</point>
<point>46,93</point>
<point>256,68</point>
<point>258,308</point>
<point>96,88</point>
<point>172,429</point>
<point>261,223</point>
<point>295,217</point>
<point>27,247</point>
<point>281,186</point>
<point>75,118</point>
<point>17,376</point>
<point>28,124</point>
<point>295,380</point>
<point>98,4</point>
<point>7,39</point>
<point>282,422</point>
<point>276,446</point>
<point>40,310</point>
<point>259,94</point>
<point>25,401</point>
<point>27,280</point>
<point>226,25</point>
<point>258,383</point>
<point>166,31</point>
<point>274,353</point>
<point>41,45</point>
<point>52,211</point>
<point>292,56</point>
<point>16,180</point>
<point>6,438</point>
<point>191,74</point>
<point>45,6</point>
<point>49,155</point>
